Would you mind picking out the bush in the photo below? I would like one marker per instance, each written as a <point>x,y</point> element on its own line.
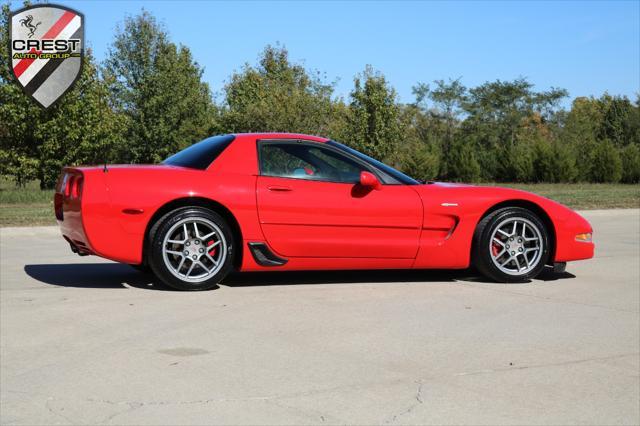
<point>519,164</point>
<point>420,162</point>
<point>565,167</point>
<point>463,164</point>
<point>631,164</point>
<point>606,165</point>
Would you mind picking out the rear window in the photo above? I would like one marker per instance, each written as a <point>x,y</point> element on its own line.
<point>200,155</point>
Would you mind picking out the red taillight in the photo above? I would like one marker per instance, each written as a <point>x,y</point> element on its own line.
<point>76,187</point>
<point>68,188</point>
<point>79,182</point>
<point>72,186</point>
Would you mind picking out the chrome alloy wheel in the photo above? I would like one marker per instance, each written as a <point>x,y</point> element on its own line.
<point>194,249</point>
<point>516,246</point>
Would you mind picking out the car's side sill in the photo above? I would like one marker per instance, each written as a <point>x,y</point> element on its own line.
<point>263,255</point>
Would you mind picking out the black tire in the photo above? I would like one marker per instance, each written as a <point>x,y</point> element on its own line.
<point>156,258</point>
<point>482,250</point>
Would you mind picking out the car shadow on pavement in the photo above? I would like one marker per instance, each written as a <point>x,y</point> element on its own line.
<point>118,275</point>
<point>93,275</point>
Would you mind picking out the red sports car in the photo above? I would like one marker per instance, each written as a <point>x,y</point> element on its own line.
<point>272,201</point>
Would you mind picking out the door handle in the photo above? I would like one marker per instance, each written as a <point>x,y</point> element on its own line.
<point>278,188</point>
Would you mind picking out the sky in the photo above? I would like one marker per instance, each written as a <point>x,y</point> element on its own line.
<point>585,47</point>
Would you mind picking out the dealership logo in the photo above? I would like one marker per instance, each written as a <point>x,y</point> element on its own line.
<point>47,48</point>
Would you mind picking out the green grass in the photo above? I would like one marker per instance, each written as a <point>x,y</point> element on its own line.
<point>25,206</point>
<point>586,196</point>
<point>29,194</point>
<point>30,206</point>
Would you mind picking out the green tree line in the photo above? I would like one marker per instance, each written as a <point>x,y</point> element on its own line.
<point>147,100</point>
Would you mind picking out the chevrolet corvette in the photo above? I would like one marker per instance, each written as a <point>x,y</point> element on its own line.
<point>274,201</point>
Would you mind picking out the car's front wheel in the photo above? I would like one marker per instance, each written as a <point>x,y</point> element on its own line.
<point>511,245</point>
<point>191,249</point>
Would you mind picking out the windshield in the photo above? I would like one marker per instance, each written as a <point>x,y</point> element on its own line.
<point>200,155</point>
<point>399,176</point>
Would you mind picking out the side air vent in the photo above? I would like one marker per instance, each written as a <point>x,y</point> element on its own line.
<point>264,256</point>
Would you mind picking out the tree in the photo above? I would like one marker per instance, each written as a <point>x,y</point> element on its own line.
<point>497,110</point>
<point>631,163</point>
<point>158,88</point>
<point>606,165</point>
<point>447,99</point>
<point>617,123</point>
<point>373,121</point>
<point>278,96</point>
<point>464,165</point>
<point>96,135</point>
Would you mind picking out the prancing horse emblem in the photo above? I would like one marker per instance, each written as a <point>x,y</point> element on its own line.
<point>28,22</point>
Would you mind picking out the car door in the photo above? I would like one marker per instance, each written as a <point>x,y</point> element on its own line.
<point>310,204</point>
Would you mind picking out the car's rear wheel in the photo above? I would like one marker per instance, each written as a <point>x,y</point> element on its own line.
<point>191,249</point>
<point>511,245</point>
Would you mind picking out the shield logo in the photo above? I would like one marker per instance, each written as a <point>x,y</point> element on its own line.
<point>47,49</point>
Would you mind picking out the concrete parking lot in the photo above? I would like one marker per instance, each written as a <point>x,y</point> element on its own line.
<point>87,341</point>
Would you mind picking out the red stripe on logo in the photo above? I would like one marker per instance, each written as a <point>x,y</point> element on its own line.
<point>59,26</point>
<point>23,64</point>
<point>53,32</point>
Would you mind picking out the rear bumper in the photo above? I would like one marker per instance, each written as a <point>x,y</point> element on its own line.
<point>68,210</point>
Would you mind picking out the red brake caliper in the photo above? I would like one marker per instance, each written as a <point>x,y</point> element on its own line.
<point>211,250</point>
<point>495,249</point>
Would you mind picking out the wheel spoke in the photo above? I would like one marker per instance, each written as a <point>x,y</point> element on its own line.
<point>186,232</point>
<point>203,267</point>
<point>503,233</point>
<point>177,253</point>
<point>180,264</point>
<point>204,237</point>
<point>215,262</point>
<point>195,228</point>
<point>495,240</point>
<point>515,224</point>
<point>190,268</point>
<point>517,263</point>
<point>504,262</point>
<point>526,259</point>
<point>177,241</point>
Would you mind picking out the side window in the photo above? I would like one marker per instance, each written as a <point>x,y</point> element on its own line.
<point>339,167</point>
<point>277,160</point>
<point>305,161</point>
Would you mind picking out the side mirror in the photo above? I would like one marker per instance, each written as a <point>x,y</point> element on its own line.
<point>369,180</point>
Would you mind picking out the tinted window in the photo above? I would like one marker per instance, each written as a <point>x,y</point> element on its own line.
<point>395,174</point>
<point>200,155</point>
<point>306,161</point>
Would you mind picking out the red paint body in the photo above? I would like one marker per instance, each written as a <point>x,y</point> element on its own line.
<point>313,224</point>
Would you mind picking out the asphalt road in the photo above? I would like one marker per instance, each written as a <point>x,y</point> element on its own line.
<point>87,341</point>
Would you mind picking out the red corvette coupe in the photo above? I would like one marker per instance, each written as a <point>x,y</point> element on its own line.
<point>257,202</point>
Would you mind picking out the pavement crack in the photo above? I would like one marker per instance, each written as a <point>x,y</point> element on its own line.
<point>552,364</point>
<point>418,401</point>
